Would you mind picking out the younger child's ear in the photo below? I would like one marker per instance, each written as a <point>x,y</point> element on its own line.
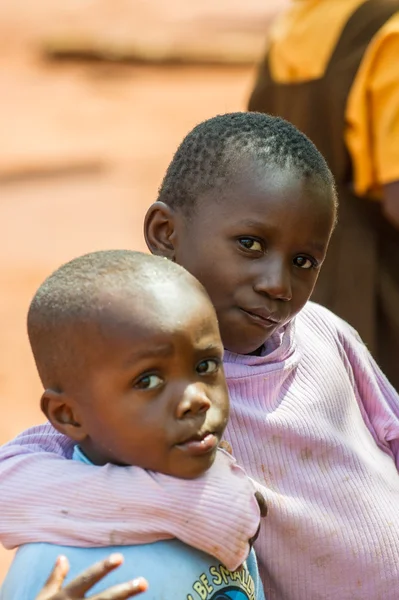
<point>62,414</point>
<point>159,230</point>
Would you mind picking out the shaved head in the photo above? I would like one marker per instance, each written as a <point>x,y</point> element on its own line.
<point>72,303</point>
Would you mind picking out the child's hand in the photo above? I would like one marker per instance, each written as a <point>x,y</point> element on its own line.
<point>77,589</point>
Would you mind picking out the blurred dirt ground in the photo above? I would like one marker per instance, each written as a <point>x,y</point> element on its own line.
<point>84,147</point>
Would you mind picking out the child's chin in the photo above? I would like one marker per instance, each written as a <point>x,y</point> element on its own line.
<point>195,468</point>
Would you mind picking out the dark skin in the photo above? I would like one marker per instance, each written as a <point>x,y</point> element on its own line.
<point>153,392</point>
<point>257,247</point>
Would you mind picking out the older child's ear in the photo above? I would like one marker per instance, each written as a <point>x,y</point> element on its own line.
<point>62,414</point>
<point>159,230</point>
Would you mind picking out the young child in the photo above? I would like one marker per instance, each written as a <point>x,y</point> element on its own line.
<point>128,350</point>
<point>248,206</point>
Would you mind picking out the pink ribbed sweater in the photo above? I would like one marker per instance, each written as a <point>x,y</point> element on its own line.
<point>314,421</point>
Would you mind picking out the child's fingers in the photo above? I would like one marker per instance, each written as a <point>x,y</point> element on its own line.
<point>83,582</point>
<point>123,590</point>
<point>55,579</point>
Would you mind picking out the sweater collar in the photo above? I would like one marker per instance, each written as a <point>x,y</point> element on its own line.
<point>279,348</point>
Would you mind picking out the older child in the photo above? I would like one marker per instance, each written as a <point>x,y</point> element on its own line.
<point>248,206</point>
<point>129,353</point>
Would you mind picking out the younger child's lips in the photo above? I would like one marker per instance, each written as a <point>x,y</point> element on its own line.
<point>199,444</point>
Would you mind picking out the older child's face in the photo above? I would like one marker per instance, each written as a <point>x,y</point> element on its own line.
<point>257,248</point>
<point>154,394</point>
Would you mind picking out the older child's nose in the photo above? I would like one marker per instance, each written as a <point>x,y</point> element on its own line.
<point>193,402</point>
<point>274,281</point>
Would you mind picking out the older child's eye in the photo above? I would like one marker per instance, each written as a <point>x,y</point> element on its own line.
<point>148,382</point>
<point>303,262</point>
<point>250,244</point>
<point>206,367</point>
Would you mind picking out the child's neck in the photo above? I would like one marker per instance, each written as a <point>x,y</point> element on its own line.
<point>257,352</point>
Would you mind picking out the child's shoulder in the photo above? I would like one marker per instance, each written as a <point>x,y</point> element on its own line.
<point>322,322</point>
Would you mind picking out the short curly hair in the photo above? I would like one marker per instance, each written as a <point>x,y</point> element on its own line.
<point>213,150</point>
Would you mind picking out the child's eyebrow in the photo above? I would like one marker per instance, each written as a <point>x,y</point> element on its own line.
<point>210,348</point>
<point>254,224</point>
<point>320,248</point>
<point>153,351</point>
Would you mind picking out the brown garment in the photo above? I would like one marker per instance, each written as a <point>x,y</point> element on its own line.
<point>359,280</point>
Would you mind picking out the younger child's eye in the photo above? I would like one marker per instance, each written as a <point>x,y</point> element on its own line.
<point>206,367</point>
<point>148,382</point>
<point>250,244</point>
<point>303,262</point>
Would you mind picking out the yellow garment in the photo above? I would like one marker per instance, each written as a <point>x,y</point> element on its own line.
<point>301,43</point>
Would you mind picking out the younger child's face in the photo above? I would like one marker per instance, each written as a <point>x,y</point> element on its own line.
<point>154,393</point>
<point>257,248</point>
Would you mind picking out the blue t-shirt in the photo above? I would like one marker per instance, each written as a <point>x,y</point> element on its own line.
<point>173,570</point>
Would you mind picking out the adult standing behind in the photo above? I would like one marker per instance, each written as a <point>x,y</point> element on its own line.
<point>331,68</point>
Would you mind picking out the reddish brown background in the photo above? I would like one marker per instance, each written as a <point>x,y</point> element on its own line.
<point>118,124</point>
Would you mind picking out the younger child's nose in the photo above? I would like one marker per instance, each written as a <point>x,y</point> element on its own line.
<point>193,402</point>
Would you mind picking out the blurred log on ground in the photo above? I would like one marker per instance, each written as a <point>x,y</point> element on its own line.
<point>154,32</point>
<point>19,171</point>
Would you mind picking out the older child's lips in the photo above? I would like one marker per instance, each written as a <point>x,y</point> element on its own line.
<point>198,446</point>
<point>261,317</point>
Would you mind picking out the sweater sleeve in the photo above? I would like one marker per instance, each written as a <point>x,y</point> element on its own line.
<point>47,498</point>
<point>378,399</point>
